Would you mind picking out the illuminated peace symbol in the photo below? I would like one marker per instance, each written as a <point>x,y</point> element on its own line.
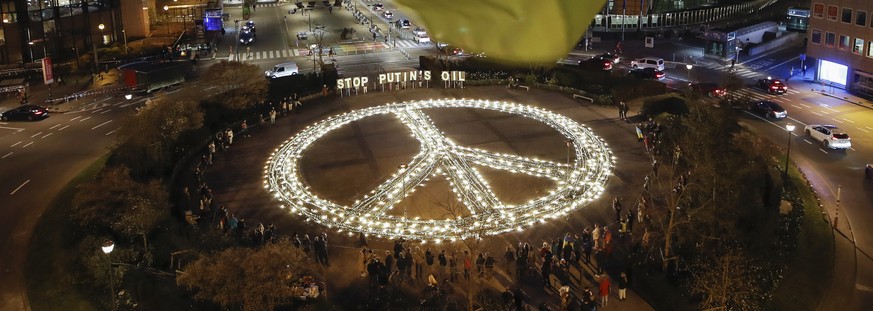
<point>577,183</point>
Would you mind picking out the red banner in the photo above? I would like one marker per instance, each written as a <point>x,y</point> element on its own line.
<point>47,74</point>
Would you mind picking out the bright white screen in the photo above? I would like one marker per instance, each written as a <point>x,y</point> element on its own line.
<point>834,72</point>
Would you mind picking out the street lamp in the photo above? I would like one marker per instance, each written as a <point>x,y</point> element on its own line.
<point>124,35</point>
<point>790,128</point>
<point>689,66</point>
<point>30,46</point>
<point>107,248</point>
<point>167,18</point>
<point>94,48</point>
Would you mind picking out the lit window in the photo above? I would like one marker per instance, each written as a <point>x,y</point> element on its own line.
<point>844,42</point>
<point>818,10</point>
<point>870,49</point>
<point>832,12</point>
<point>847,15</point>
<point>861,18</point>
<point>858,47</point>
<point>830,39</point>
<point>816,36</point>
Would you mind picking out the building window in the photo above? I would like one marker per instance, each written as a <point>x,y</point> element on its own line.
<point>858,47</point>
<point>830,39</point>
<point>844,42</point>
<point>832,12</point>
<point>847,15</point>
<point>818,10</point>
<point>861,18</point>
<point>816,36</point>
<point>870,49</point>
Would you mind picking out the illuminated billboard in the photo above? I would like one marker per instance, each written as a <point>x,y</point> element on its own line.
<point>833,72</point>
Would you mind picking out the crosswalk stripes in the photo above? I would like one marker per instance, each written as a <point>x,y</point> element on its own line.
<point>410,44</point>
<point>738,70</point>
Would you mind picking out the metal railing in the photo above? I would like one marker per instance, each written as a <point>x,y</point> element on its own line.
<point>631,22</point>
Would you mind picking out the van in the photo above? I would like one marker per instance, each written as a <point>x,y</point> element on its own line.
<point>648,62</point>
<point>282,70</point>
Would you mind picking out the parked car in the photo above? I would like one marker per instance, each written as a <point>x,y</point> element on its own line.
<point>830,136</point>
<point>772,86</point>
<point>707,89</point>
<point>388,15</point>
<point>596,63</point>
<point>647,73</point>
<point>648,62</point>
<point>769,110</point>
<point>609,56</point>
<point>25,112</point>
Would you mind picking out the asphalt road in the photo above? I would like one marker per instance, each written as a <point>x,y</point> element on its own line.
<point>38,159</point>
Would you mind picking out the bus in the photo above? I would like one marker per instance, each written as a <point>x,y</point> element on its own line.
<point>213,16</point>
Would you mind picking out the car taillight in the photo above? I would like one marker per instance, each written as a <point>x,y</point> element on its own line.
<point>773,87</point>
<point>660,75</point>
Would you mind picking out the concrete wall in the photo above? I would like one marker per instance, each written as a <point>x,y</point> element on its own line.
<point>786,39</point>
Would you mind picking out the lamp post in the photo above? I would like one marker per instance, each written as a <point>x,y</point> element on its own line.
<point>124,35</point>
<point>107,248</point>
<point>689,66</point>
<point>790,128</point>
<point>308,13</point>
<point>96,58</point>
<point>30,46</point>
<point>167,18</point>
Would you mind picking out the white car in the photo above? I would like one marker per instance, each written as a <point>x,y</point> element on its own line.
<point>648,62</point>
<point>422,38</point>
<point>388,15</point>
<point>830,136</point>
<point>419,31</point>
<point>378,6</point>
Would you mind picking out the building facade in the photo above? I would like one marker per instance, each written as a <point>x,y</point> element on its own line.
<point>841,42</point>
<point>64,29</point>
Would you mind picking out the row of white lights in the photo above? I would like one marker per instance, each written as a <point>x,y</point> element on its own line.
<point>578,182</point>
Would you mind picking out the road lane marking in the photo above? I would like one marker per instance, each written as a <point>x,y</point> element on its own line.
<point>837,121</point>
<point>74,119</point>
<point>19,187</point>
<point>869,128</point>
<point>16,144</point>
<point>83,120</point>
<point>863,130</point>
<point>8,154</point>
<point>101,124</point>
<point>35,135</point>
<point>47,135</point>
<point>847,120</point>
<point>110,133</point>
<point>95,111</point>
<point>28,144</point>
<point>804,105</point>
<point>65,126</point>
<point>107,110</point>
<point>12,128</point>
<point>822,151</point>
<point>807,141</point>
<point>816,113</point>
<point>56,125</point>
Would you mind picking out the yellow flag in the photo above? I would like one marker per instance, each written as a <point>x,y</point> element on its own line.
<point>513,31</point>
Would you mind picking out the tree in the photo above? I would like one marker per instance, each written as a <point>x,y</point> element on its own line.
<point>728,279</point>
<point>250,278</point>
<point>237,85</point>
<point>116,201</point>
<point>145,139</point>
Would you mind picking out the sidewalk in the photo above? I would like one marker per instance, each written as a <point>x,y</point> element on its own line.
<point>39,94</point>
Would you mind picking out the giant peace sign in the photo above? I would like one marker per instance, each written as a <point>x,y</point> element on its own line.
<point>577,182</point>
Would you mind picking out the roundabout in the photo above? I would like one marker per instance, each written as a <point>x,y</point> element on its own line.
<point>576,182</point>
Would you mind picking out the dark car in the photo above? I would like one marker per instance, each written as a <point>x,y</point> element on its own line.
<point>769,110</point>
<point>869,171</point>
<point>707,89</point>
<point>246,36</point>
<point>648,73</point>
<point>772,86</point>
<point>614,58</point>
<point>378,6</point>
<point>25,112</point>
<point>250,25</point>
<point>596,63</point>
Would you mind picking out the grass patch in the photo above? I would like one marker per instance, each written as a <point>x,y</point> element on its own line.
<point>806,279</point>
<point>48,279</point>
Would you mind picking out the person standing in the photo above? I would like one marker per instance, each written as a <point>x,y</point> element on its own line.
<point>587,299</point>
<point>272,116</point>
<point>616,205</point>
<point>444,263</point>
<point>604,290</point>
<point>428,258</point>
<point>229,134</point>
<point>622,287</point>
<point>389,260</point>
